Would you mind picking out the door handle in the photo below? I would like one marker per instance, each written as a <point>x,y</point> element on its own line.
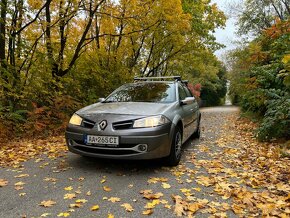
<point>191,110</point>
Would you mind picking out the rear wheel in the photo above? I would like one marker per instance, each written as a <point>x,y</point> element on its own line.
<point>175,153</point>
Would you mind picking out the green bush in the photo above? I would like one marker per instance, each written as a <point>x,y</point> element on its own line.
<point>276,122</point>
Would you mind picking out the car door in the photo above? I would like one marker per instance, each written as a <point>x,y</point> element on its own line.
<point>195,111</point>
<point>187,112</point>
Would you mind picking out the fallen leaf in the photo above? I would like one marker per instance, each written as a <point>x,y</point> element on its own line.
<point>152,204</point>
<point>45,214</point>
<point>18,187</point>
<point>205,181</point>
<point>114,199</point>
<point>88,193</point>
<point>155,180</point>
<point>21,176</point>
<point>69,188</point>
<point>180,205</point>
<point>81,179</point>
<point>95,207</point>
<point>65,214</point>
<point>166,185</point>
<point>19,184</point>
<point>78,205</point>
<point>147,212</point>
<point>3,182</point>
<point>69,196</point>
<point>48,203</point>
<point>197,189</point>
<point>153,196</point>
<point>81,201</point>
<point>110,215</point>
<point>128,207</point>
<point>107,189</point>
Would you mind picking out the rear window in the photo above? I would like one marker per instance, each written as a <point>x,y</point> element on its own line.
<point>144,92</point>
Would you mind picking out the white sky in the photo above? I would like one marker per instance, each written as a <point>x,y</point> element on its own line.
<point>227,35</point>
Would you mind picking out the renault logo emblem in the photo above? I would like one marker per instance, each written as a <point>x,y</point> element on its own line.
<point>103,124</point>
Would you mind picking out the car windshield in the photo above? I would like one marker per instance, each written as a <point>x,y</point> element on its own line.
<point>144,92</point>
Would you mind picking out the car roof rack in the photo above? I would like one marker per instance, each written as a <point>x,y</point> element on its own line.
<point>161,78</point>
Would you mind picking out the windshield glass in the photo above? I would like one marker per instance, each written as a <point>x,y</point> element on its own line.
<point>144,92</point>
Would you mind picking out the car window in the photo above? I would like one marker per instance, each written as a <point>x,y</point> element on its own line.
<point>144,92</point>
<point>181,93</point>
<point>188,93</point>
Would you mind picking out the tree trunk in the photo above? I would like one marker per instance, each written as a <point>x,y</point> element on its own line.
<point>3,35</point>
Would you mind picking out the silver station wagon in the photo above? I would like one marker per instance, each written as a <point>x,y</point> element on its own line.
<point>150,118</point>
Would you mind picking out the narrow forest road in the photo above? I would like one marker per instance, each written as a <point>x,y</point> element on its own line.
<point>219,176</point>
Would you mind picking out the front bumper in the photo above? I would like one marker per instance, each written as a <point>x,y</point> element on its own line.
<point>157,141</point>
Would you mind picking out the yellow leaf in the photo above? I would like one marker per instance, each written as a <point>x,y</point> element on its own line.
<point>107,189</point>
<point>114,199</point>
<point>45,214</point>
<point>3,182</point>
<point>166,185</point>
<point>193,207</point>
<point>65,214</point>
<point>197,189</point>
<point>21,175</point>
<point>128,207</point>
<point>180,205</point>
<point>147,212</point>
<point>78,205</point>
<point>95,207</point>
<point>152,204</point>
<point>69,188</point>
<point>69,196</point>
<point>48,203</point>
<point>110,215</point>
<point>103,181</point>
<point>81,201</point>
<point>19,183</point>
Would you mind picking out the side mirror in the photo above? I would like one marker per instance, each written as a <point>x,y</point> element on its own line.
<point>101,99</point>
<point>187,100</point>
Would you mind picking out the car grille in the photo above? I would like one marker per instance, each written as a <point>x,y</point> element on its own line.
<point>88,124</point>
<point>123,125</point>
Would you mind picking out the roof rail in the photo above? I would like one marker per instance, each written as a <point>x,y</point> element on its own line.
<point>161,78</point>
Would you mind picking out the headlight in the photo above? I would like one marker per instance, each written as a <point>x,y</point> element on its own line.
<point>151,121</point>
<point>76,120</point>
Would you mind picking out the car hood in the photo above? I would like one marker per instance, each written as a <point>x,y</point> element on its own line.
<point>125,108</point>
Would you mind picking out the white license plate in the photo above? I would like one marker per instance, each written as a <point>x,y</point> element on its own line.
<point>102,140</point>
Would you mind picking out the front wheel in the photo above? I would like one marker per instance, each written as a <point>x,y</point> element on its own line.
<point>175,153</point>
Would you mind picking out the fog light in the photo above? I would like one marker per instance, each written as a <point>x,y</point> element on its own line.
<point>142,147</point>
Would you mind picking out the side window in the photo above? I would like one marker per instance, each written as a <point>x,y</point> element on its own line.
<point>181,92</point>
<point>188,93</point>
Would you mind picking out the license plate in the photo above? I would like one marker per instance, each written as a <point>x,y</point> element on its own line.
<point>102,140</point>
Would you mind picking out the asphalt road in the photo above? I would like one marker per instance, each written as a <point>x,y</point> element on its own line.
<point>47,179</point>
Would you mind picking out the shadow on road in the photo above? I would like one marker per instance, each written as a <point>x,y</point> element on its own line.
<point>126,166</point>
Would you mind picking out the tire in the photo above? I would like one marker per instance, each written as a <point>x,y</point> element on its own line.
<point>197,133</point>
<point>175,152</point>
